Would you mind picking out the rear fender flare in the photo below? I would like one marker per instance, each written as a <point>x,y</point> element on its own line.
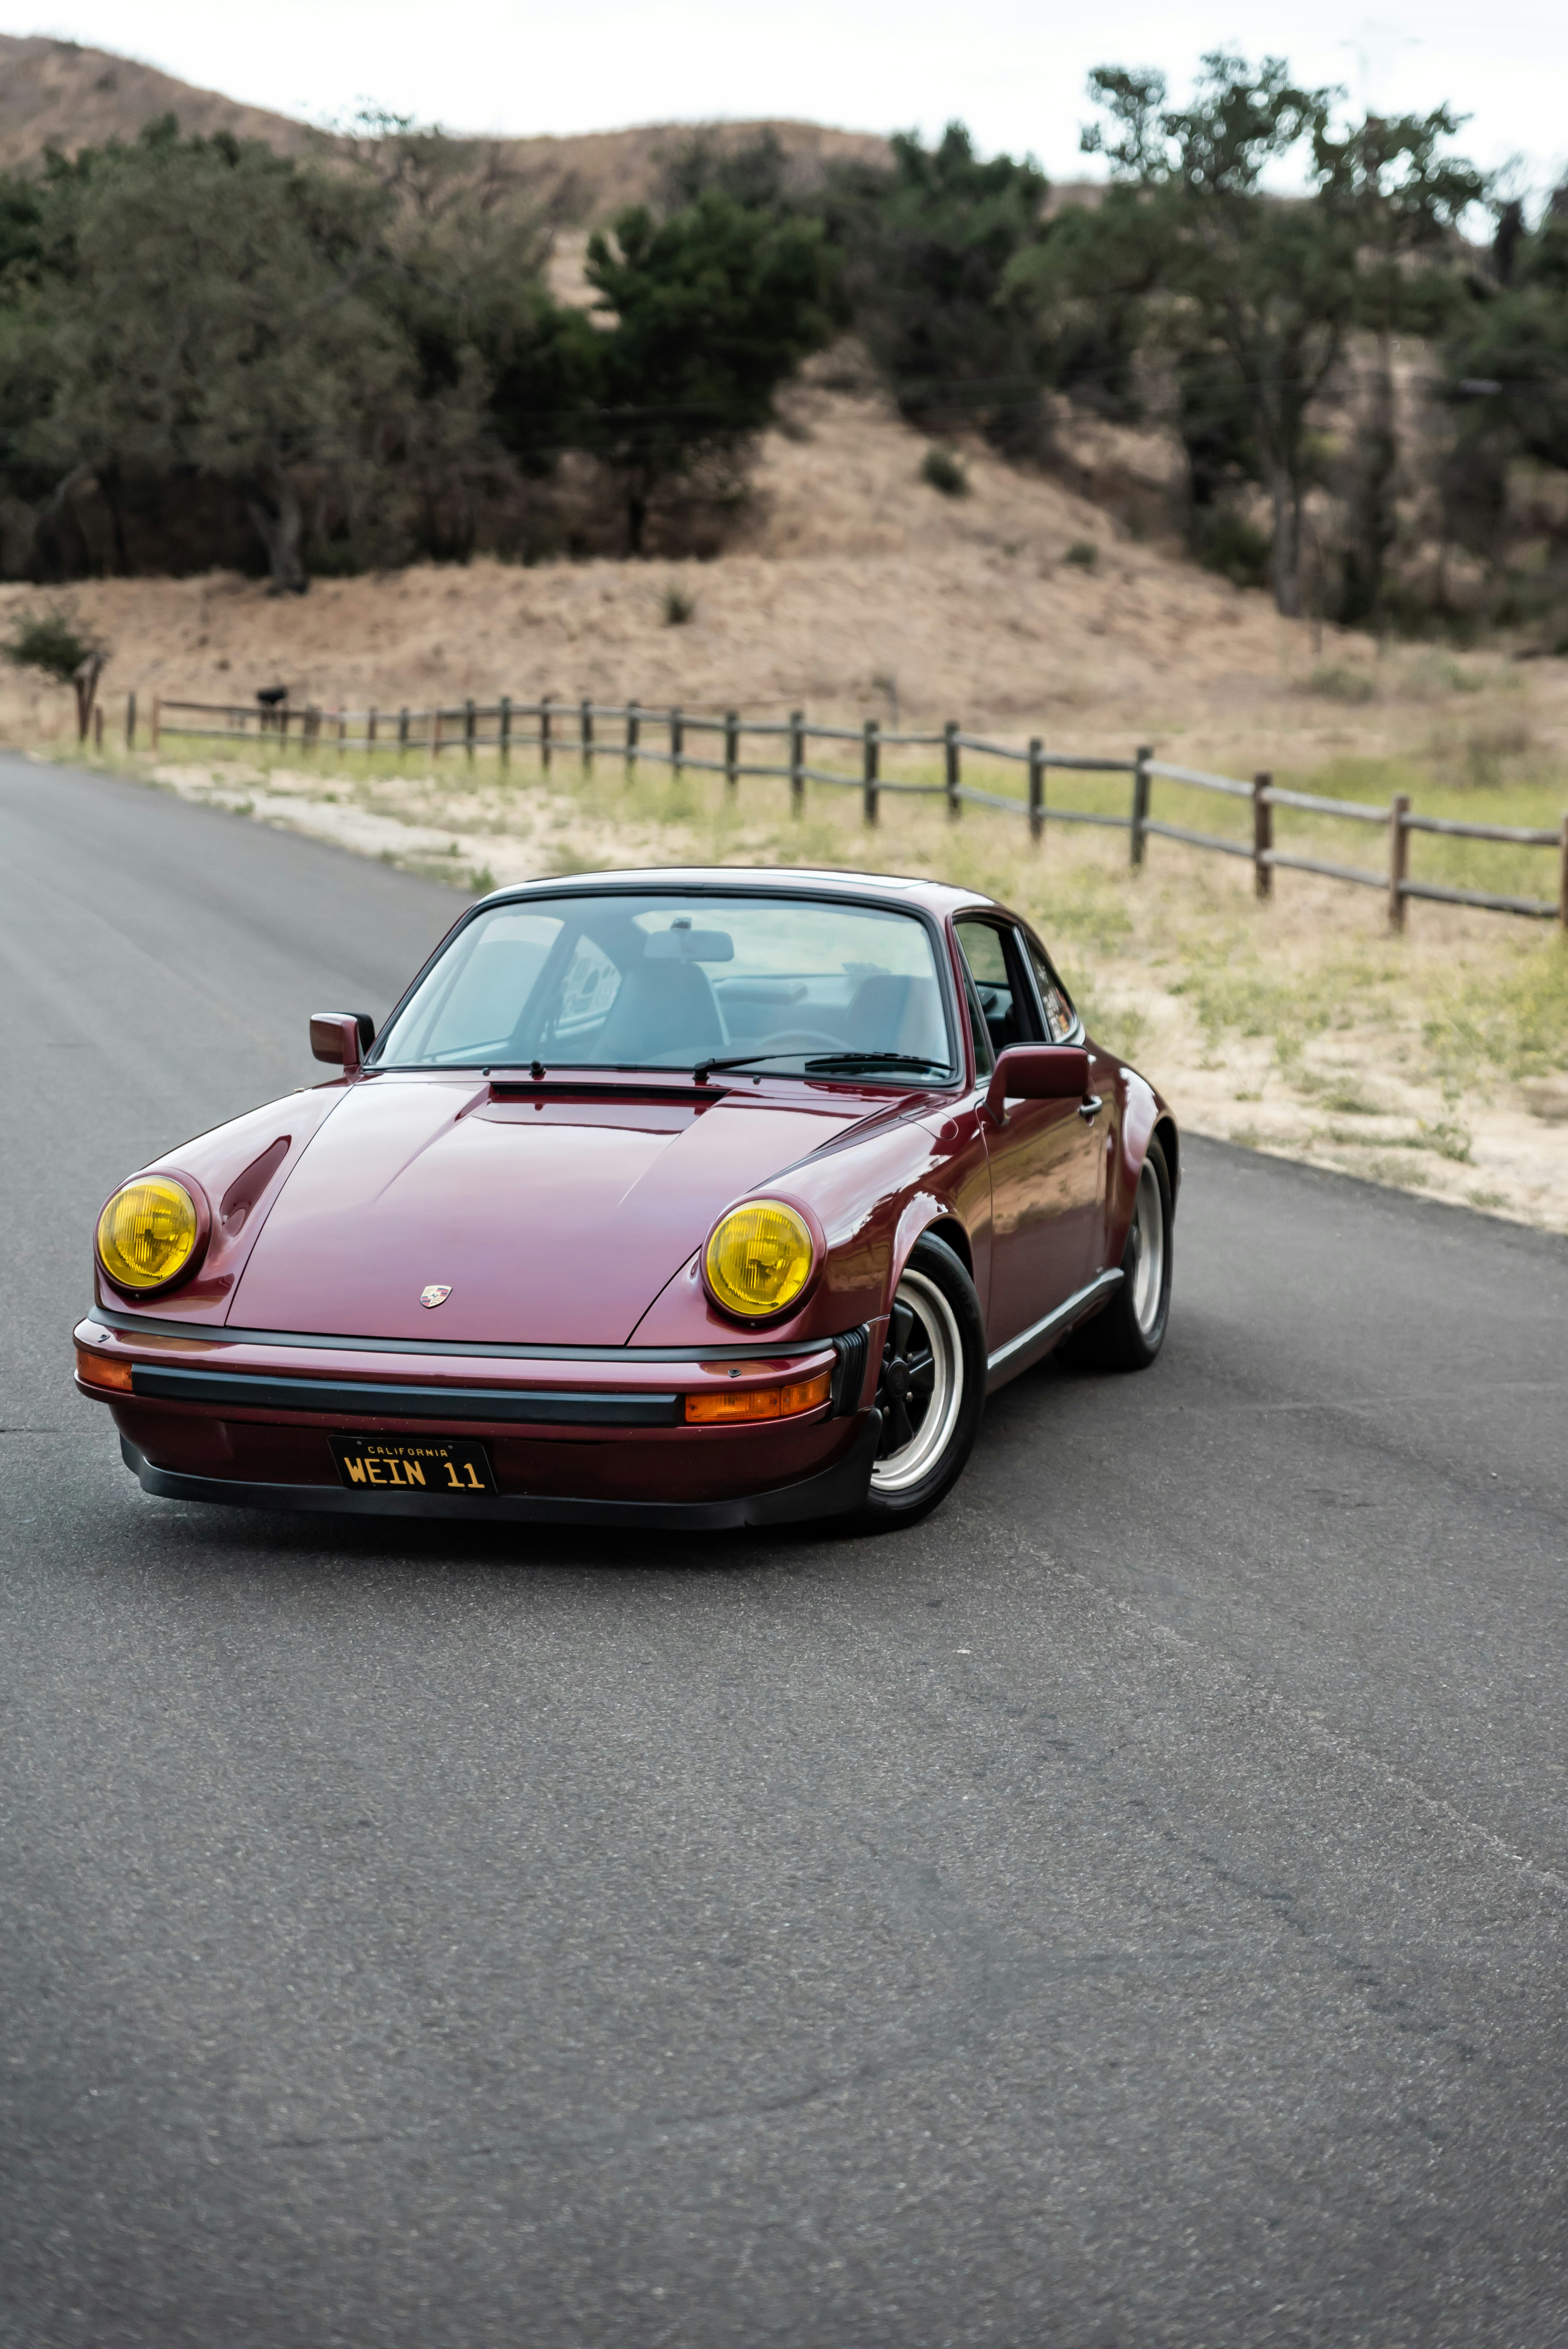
<point>1140,1114</point>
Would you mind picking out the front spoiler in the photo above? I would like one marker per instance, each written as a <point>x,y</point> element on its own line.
<point>832,1492</point>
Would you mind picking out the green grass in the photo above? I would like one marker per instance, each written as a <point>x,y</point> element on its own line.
<point>1490,1010</point>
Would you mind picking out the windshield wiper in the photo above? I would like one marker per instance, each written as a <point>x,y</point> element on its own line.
<point>846,1060</point>
<point>872,1060</point>
<point>704,1069</point>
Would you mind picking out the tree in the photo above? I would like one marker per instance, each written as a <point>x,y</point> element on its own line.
<point>931,277</point>
<point>494,363</point>
<point>705,315</point>
<point>1092,283</point>
<point>1264,286</point>
<point>58,644</point>
<point>1506,351</point>
<point>754,171</point>
<point>1399,200</point>
<point>209,312</point>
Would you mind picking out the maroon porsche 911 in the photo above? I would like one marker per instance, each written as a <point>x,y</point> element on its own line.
<point>688,1198</point>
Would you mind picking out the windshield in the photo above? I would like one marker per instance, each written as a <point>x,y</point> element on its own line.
<point>798,985</point>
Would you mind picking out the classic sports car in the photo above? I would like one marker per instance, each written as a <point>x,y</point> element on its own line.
<point>686,1198</point>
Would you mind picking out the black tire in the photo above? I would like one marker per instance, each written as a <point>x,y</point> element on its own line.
<point>1129,1333</point>
<point>933,1362</point>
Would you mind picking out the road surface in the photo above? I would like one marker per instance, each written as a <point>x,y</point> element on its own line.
<point>1128,1909</point>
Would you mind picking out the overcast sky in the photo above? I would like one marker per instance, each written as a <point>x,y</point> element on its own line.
<point>1013,69</point>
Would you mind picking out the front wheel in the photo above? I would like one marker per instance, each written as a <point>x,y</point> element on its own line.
<point>931,1392</point>
<point>1130,1331</point>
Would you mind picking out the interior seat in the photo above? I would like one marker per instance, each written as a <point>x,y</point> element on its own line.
<point>663,1011</point>
<point>888,1014</point>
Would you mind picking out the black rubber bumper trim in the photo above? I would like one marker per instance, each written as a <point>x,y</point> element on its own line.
<point>384,1398</point>
<point>832,1492</point>
<point>851,1347</point>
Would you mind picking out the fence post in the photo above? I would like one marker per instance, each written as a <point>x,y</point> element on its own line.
<point>98,726</point>
<point>402,729</point>
<point>585,735</point>
<point>1562,878</point>
<point>1137,836</point>
<point>677,741</point>
<point>633,730</point>
<point>732,751</point>
<point>435,716</point>
<point>544,732</point>
<point>1036,789</point>
<point>156,717</point>
<point>1263,836</point>
<point>312,727</point>
<point>1398,858</point>
<point>797,762</point>
<point>953,774</point>
<point>871,769</point>
<point>130,722</point>
<point>505,729</point>
<point>470,722</point>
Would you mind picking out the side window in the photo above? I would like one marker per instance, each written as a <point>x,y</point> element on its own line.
<point>990,951</point>
<point>1060,1017</point>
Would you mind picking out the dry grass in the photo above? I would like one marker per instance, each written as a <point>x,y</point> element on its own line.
<point>1437,1060</point>
<point>855,590</point>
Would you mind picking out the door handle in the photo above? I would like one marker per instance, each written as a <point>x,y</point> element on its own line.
<point>1089,1107</point>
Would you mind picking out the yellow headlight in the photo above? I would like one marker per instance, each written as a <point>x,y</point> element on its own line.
<point>147,1232</point>
<point>760,1258</point>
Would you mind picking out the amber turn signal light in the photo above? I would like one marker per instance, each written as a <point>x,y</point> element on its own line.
<point>728,1404</point>
<point>102,1371</point>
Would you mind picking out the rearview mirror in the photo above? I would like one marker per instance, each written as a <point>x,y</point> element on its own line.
<point>342,1037</point>
<point>1036,1072</point>
<point>678,944</point>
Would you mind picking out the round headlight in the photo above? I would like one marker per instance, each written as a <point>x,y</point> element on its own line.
<point>760,1258</point>
<point>147,1233</point>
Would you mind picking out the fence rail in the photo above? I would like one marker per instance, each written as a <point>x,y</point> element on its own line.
<point>571,729</point>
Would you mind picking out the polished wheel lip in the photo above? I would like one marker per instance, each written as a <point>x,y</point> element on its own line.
<point>1147,1241</point>
<point>896,1471</point>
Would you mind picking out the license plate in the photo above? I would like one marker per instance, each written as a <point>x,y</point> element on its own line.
<point>413,1464</point>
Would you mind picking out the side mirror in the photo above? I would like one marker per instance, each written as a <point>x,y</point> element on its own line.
<point>1036,1072</point>
<point>342,1037</point>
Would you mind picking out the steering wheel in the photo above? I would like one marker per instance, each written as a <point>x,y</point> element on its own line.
<point>800,1040</point>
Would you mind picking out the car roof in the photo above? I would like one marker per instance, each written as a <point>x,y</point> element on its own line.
<point>933,896</point>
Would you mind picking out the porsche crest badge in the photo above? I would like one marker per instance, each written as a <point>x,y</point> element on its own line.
<point>435,1294</point>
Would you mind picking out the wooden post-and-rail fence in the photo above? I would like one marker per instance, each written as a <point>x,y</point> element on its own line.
<point>546,727</point>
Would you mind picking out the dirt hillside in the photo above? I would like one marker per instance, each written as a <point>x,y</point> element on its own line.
<point>855,589</point>
<point>56,93</point>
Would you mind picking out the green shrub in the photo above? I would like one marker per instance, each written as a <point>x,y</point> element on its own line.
<point>54,640</point>
<point>677,606</point>
<point>942,470</point>
<point>1237,549</point>
<point>1083,552</point>
<point>1351,685</point>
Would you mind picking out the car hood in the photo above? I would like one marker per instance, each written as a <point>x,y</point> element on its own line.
<point>548,1222</point>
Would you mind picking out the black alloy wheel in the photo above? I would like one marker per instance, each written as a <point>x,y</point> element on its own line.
<point>931,1389</point>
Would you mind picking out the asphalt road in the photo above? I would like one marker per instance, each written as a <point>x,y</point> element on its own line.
<point>1126,1910</point>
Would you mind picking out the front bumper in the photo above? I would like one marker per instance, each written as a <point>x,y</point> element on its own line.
<point>832,1492</point>
<point>587,1435</point>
